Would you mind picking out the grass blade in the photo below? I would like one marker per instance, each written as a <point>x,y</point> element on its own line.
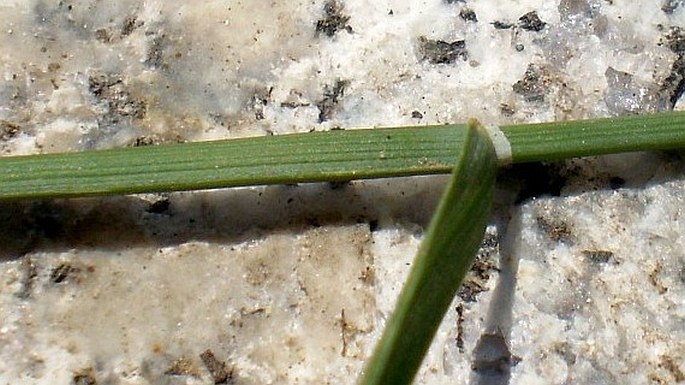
<point>560,140</point>
<point>445,256</point>
<point>318,156</point>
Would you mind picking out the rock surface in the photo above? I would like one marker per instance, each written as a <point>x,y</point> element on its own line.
<point>581,278</point>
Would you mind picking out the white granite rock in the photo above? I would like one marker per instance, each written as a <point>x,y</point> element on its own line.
<point>582,280</point>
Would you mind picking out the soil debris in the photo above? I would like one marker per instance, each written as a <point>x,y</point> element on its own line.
<point>182,367</point>
<point>334,20</point>
<point>674,84</point>
<point>534,85</point>
<point>531,22</point>
<point>8,129</point>
<point>220,374</point>
<point>501,24</point>
<point>331,96</point>
<point>556,229</point>
<point>111,92</point>
<point>442,52</point>
<point>84,377</point>
<point>599,256</point>
<point>468,14</point>
<point>129,25</point>
<point>62,272</point>
<point>669,6</point>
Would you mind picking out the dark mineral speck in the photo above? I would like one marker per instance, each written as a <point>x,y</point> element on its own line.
<point>85,377</point>
<point>334,20</point>
<point>531,22</point>
<point>501,25</point>
<point>331,96</point>
<point>468,14</point>
<point>442,52</point>
<point>669,6</point>
<point>220,373</point>
<point>533,87</point>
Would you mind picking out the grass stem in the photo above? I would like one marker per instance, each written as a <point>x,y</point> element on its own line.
<point>319,156</point>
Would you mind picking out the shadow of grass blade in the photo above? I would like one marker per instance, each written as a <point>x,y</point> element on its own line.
<point>445,256</point>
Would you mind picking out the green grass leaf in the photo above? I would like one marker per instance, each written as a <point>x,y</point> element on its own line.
<point>319,156</point>
<point>444,257</point>
<point>313,157</point>
<point>574,138</point>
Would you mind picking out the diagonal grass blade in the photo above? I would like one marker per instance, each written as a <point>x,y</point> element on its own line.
<point>445,256</point>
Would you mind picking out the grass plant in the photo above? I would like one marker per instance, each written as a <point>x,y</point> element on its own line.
<point>452,238</point>
<point>318,156</point>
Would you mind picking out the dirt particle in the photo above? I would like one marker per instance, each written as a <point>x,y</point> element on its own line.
<point>29,273</point>
<point>182,367</point>
<point>258,273</point>
<point>343,333</point>
<point>674,39</point>
<point>502,24</point>
<point>259,101</point>
<point>669,6</point>
<point>469,289</point>
<point>111,92</point>
<point>460,328</point>
<point>531,22</point>
<point>63,272</point>
<point>333,21</point>
<point>8,129</point>
<point>155,52</point>
<point>84,377</point>
<point>556,229</point>
<point>600,256</point>
<point>468,14</point>
<point>534,85</point>
<point>484,264</point>
<point>416,114</point>
<point>103,35</point>
<point>143,141</point>
<point>656,281</point>
<point>674,84</point>
<point>565,351</point>
<point>129,25</point>
<point>506,110</point>
<point>217,369</point>
<point>668,363</point>
<point>331,96</point>
<point>442,52</point>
